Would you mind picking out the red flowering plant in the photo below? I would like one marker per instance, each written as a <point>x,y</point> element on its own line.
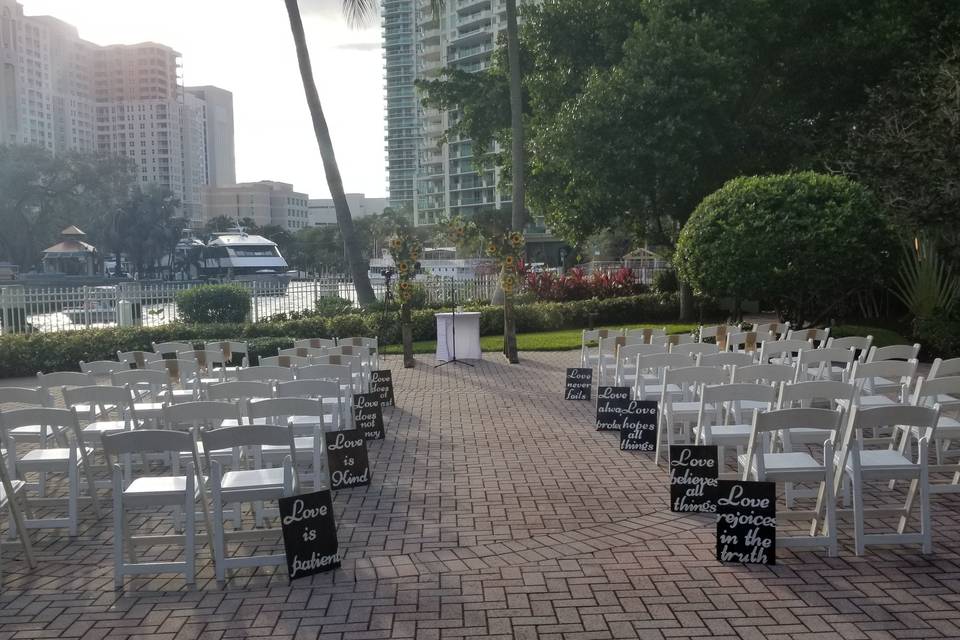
<point>578,285</point>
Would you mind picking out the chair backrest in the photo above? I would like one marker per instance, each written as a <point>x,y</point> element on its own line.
<point>897,371</point>
<point>718,333</point>
<point>152,378</point>
<point>309,388</point>
<point>303,352</point>
<point>285,361</point>
<point>284,408</point>
<point>242,390</point>
<point>607,347</point>
<point>118,443</point>
<point>177,370</point>
<point>776,329</point>
<point>804,394</point>
<point>57,420</point>
<point>315,343</point>
<point>359,341</point>
<point>138,359</point>
<point>35,396</point>
<point>208,413</point>
<point>646,334</point>
<point>206,359</point>
<point>170,348</point>
<point>894,352</point>
<point>783,421</point>
<point>657,361</point>
<point>595,335</point>
<point>627,353</point>
<point>363,352</point>
<point>873,418</point>
<point>101,400</point>
<point>265,373</point>
<point>673,339</point>
<point>725,359</point>
<point>230,350</point>
<point>102,367</point>
<point>744,341</point>
<point>783,349</point>
<point>694,349</point>
<point>695,376</point>
<point>941,368</point>
<point>65,379</point>
<point>247,435</point>
<point>720,403</point>
<point>818,336</point>
<point>340,373</point>
<point>822,361</point>
<point>764,373</point>
<point>860,344</point>
<point>928,391</point>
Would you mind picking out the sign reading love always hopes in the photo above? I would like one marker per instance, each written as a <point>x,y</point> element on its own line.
<point>579,383</point>
<point>381,383</point>
<point>747,522</point>
<point>638,431</point>
<point>612,403</point>
<point>694,476</point>
<point>309,534</point>
<point>347,458</point>
<point>367,416</point>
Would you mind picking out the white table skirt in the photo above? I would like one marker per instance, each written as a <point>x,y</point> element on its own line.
<point>468,336</point>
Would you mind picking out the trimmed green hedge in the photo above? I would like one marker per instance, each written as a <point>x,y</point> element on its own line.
<point>23,355</point>
<point>214,303</point>
<point>939,338</point>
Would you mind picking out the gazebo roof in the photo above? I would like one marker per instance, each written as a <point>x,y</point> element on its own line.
<point>68,247</point>
<point>72,230</point>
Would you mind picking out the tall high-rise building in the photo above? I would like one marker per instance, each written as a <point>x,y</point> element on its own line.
<point>265,202</point>
<point>63,93</point>
<point>449,178</point>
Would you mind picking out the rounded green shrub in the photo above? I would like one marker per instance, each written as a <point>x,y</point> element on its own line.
<point>213,303</point>
<point>803,243</point>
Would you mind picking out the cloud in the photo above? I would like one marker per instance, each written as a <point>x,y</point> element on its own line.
<point>359,46</point>
<point>338,9</point>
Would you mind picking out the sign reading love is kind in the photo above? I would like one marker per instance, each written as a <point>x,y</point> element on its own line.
<point>694,474</point>
<point>309,534</point>
<point>347,459</point>
<point>579,383</point>
<point>747,522</point>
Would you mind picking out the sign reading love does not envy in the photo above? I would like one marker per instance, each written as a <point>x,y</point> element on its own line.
<point>347,458</point>
<point>579,383</point>
<point>747,522</point>
<point>367,416</point>
<point>381,383</point>
<point>638,430</point>
<point>309,534</point>
<point>694,477</point>
<point>612,403</point>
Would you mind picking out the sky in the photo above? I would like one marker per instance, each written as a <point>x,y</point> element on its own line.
<point>245,46</point>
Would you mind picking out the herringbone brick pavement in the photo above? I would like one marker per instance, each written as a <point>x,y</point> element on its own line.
<point>497,511</point>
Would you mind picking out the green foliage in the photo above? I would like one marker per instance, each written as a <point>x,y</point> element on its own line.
<point>802,242</point>
<point>24,354</point>
<point>665,281</point>
<point>940,338</point>
<point>215,303</point>
<point>924,284</point>
<point>145,228</point>
<point>333,305</point>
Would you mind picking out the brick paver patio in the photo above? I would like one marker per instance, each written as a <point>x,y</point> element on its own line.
<point>496,510</point>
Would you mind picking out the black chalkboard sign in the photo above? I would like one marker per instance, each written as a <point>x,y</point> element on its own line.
<point>381,383</point>
<point>747,522</point>
<point>694,474</point>
<point>638,431</point>
<point>367,416</point>
<point>612,403</point>
<point>309,534</point>
<point>579,383</point>
<point>347,455</point>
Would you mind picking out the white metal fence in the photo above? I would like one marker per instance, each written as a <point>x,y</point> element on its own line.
<point>66,308</point>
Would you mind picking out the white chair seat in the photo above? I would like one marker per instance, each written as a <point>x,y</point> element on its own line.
<point>253,479</point>
<point>104,426</point>
<point>869,401</point>
<point>806,435</point>
<point>794,463</point>
<point>877,460</point>
<point>158,486</point>
<point>687,408</point>
<point>32,430</point>
<point>303,444</point>
<point>148,409</point>
<point>47,456</point>
<point>738,434</point>
<point>656,389</point>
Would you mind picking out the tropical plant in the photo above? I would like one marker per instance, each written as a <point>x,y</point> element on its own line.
<point>925,283</point>
<point>405,249</point>
<point>356,10</point>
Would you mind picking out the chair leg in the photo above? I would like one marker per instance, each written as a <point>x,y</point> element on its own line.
<point>925,519</point>
<point>189,540</point>
<point>219,541</point>
<point>831,520</point>
<point>119,536</point>
<point>73,497</point>
<point>902,448</point>
<point>858,525</point>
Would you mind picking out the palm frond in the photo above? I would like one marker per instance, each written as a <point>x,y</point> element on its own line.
<point>359,12</point>
<point>925,284</point>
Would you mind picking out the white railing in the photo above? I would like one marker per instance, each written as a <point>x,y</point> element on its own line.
<point>65,308</point>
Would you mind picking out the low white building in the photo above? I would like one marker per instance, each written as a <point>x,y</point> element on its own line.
<point>322,211</point>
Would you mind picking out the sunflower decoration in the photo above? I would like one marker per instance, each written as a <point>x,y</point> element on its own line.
<point>396,244</point>
<point>516,239</point>
<point>403,267</point>
<point>492,249</point>
<point>509,261</point>
<point>406,291</point>
<point>508,282</point>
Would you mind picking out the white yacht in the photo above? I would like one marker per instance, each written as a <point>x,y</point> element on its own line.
<point>237,255</point>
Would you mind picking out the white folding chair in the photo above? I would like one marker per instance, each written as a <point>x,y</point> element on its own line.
<point>763,373</point>
<point>328,392</point>
<point>137,359</point>
<point>111,409</point>
<point>782,351</point>
<point>860,345</point>
<point>304,352</point>
<point>152,388</point>
<point>694,349</point>
<point>342,375</point>
<point>885,382</point>
<point>238,392</point>
<point>170,348</point>
<point>791,467</point>
<point>590,344</point>
<point>16,398</point>
<point>776,330</point>
<point>721,419</point>
<point>71,460</point>
<point>102,368</point>
<point>236,355</point>
<point>680,400</point>
<point>726,359</point>
<point>210,363</point>
<point>860,465</point>
<point>607,358</point>
<point>649,383</point>
<point>944,392</point>
<point>942,368</point>
<point>744,342</point>
<point>150,492</point>
<point>645,335</point>
<point>359,341</point>
<point>287,361</point>
<point>625,373</point>
<point>894,352</point>
<point>307,418</point>
<point>353,362</point>
<point>819,337</point>
<point>718,333</point>
<point>12,497</point>
<point>829,363</point>
<point>251,485</point>
<point>674,339</point>
<point>365,355</point>
<point>60,379</point>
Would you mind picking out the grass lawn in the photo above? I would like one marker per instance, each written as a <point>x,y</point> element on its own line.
<point>569,339</point>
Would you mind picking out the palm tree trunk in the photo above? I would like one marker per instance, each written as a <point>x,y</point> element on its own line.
<point>518,216</point>
<point>355,261</point>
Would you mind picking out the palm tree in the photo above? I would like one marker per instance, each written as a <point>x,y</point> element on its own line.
<point>355,9</point>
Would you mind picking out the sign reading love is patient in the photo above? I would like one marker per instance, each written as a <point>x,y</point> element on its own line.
<point>309,534</point>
